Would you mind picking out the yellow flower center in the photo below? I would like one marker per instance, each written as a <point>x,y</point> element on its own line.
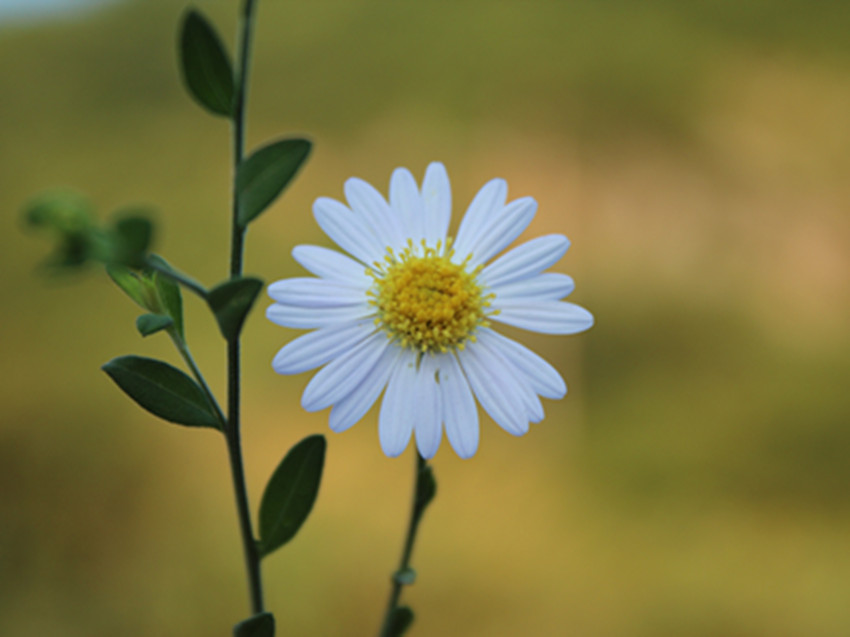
<point>426,302</point>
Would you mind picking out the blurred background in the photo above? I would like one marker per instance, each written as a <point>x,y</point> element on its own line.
<point>695,480</point>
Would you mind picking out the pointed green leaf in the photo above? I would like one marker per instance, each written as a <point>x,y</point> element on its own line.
<point>169,293</point>
<point>400,621</point>
<point>290,493</point>
<point>261,625</point>
<point>263,176</point>
<point>205,65</point>
<point>148,324</point>
<point>163,390</point>
<point>128,281</point>
<point>231,301</point>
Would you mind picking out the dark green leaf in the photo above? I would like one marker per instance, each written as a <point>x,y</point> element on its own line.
<point>261,625</point>
<point>290,493</point>
<point>426,488</point>
<point>148,324</point>
<point>263,176</point>
<point>163,390</point>
<point>231,301</point>
<point>405,576</point>
<point>131,240</point>
<point>128,281</point>
<point>169,293</point>
<point>401,620</point>
<point>205,65</point>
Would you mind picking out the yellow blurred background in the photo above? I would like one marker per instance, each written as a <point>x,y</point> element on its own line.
<point>694,482</point>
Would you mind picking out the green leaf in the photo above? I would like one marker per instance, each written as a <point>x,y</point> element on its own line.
<point>148,324</point>
<point>131,239</point>
<point>163,390</point>
<point>231,301</point>
<point>263,176</point>
<point>426,488</point>
<point>401,620</point>
<point>261,625</point>
<point>205,65</point>
<point>290,493</point>
<point>169,293</point>
<point>128,281</point>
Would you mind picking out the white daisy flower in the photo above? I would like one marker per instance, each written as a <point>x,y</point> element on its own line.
<point>411,310</point>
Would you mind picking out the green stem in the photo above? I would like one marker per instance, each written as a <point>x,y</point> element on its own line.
<point>184,280</point>
<point>417,508</point>
<point>233,433</point>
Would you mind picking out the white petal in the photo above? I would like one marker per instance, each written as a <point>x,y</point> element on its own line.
<point>487,203</point>
<point>405,199</point>
<point>348,230</point>
<point>496,390</point>
<point>308,318</point>
<point>528,259</point>
<point>317,348</point>
<point>500,230</point>
<point>530,401</point>
<point>426,410</point>
<point>338,378</point>
<point>459,411</point>
<point>540,375</point>
<point>353,407</point>
<point>549,286</point>
<point>547,317</point>
<point>437,200</point>
<point>330,264</point>
<point>368,202</point>
<point>312,292</point>
<point>395,423</point>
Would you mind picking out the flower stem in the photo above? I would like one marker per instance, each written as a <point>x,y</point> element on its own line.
<point>423,492</point>
<point>183,348</point>
<point>233,433</point>
<point>178,277</point>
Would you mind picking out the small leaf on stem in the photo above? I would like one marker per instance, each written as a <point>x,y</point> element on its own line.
<point>148,324</point>
<point>263,176</point>
<point>163,390</point>
<point>426,488</point>
<point>290,493</point>
<point>131,238</point>
<point>128,281</point>
<point>231,301</point>
<point>401,620</point>
<point>169,293</point>
<point>261,625</point>
<point>205,65</point>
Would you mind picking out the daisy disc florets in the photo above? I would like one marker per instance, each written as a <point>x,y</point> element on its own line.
<point>409,313</point>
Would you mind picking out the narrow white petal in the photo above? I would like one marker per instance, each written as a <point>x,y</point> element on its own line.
<point>540,375</point>
<point>312,292</point>
<point>427,413</point>
<point>330,264</point>
<point>459,411</point>
<point>405,199</point>
<point>528,259</point>
<point>547,317</point>
<point>495,389</point>
<point>395,423</point>
<point>487,203</point>
<point>308,318</point>
<point>338,378</point>
<point>367,201</point>
<point>549,286</point>
<point>353,407</point>
<point>437,200</point>
<point>500,230</point>
<point>317,348</point>
<point>519,383</point>
<point>347,230</point>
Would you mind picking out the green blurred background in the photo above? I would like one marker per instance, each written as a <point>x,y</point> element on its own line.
<point>695,481</point>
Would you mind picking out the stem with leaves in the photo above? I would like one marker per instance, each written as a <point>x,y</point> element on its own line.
<point>399,618</point>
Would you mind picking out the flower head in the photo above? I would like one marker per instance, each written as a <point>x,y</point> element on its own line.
<point>411,311</point>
